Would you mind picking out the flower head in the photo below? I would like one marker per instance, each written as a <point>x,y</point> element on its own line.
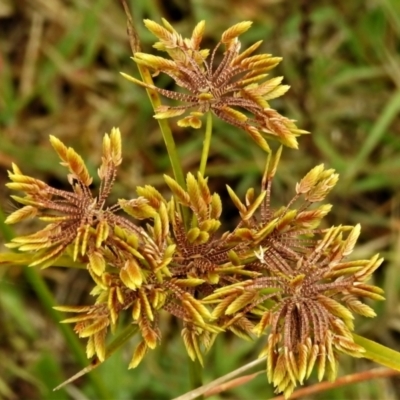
<point>73,216</point>
<point>310,317</point>
<point>306,292</point>
<point>129,265</point>
<point>236,83</point>
<point>277,272</point>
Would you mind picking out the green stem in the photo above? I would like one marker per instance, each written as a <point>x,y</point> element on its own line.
<point>206,144</point>
<point>118,342</point>
<point>380,354</point>
<point>165,128</point>
<point>46,299</point>
<point>168,138</point>
<point>134,42</point>
<point>195,393</point>
<point>196,374</point>
<point>195,368</point>
<point>128,332</point>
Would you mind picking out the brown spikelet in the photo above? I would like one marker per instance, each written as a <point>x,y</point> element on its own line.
<point>131,274</point>
<point>78,167</point>
<point>21,214</point>
<point>181,195</point>
<point>232,90</point>
<point>139,353</point>
<point>93,328</point>
<point>235,31</point>
<point>99,344</point>
<point>188,341</point>
<point>197,34</point>
<point>158,30</point>
<point>97,263</point>
<point>60,148</point>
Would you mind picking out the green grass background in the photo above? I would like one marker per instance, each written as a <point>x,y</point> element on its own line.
<point>59,75</point>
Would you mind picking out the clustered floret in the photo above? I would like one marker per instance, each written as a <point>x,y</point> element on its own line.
<point>278,273</point>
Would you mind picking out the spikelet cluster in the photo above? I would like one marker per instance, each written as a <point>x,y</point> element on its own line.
<point>234,90</point>
<point>276,274</point>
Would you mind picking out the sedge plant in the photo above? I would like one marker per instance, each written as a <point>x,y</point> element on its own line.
<point>278,275</point>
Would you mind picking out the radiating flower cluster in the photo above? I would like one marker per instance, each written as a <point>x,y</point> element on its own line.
<point>277,273</point>
<point>236,82</point>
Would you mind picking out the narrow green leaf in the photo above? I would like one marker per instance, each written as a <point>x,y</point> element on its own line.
<point>380,127</point>
<point>380,354</point>
<point>117,343</point>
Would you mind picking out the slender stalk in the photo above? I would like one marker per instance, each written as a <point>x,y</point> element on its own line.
<point>194,394</point>
<point>204,153</point>
<point>196,375</point>
<point>206,144</point>
<point>118,342</point>
<point>46,299</point>
<point>128,332</point>
<point>242,380</point>
<point>363,376</point>
<point>156,102</point>
<point>165,129</point>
